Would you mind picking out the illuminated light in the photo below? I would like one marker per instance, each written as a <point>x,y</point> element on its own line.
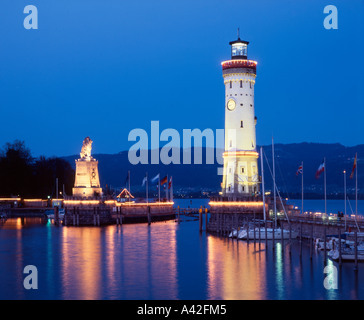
<point>125,194</point>
<point>240,153</point>
<point>10,199</point>
<point>110,201</point>
<point>143,204</point>
<point>82,202</point>
<point>33,200</point>
<point>236,203</point>
<point>237,63</point>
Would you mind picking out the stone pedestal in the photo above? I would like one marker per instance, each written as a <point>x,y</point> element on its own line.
<point>87,181</point>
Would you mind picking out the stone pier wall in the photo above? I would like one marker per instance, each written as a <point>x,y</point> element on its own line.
<point>88,215</point>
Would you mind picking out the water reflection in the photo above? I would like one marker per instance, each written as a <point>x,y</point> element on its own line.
<point>81,267</point>
<point>235,271</point>
<point>161,261</point>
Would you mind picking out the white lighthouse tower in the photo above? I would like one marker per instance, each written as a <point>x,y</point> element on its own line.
<point>240,157</point>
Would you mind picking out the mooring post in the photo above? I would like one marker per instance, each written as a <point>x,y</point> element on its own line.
<point>311,243</point>
<point>300,238</point>
<point>117,216</point>
<point>74,216</point>
<point>98,216</point>
<point>149,216</point>
<point>273,236</point>
<point>94,216</point>
<point>65,217</point>
<point>325,245</point>
<point>179,210</point>
<point>78,216</point>
<point>120,217</point>
<point>259,234</point>
<point>254,229</point>
<point>56,216</point>
<point>266,234</point>
<point>237,227</point>
<point>290,238</point>
<point>247,229</point>
<point>340,260</point>
<point>282,238</point>
<point>356,249</point>
<point>206,219</point>
<point>200,219</point>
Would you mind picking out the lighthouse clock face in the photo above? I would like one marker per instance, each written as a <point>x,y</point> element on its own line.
<point>231,104</point>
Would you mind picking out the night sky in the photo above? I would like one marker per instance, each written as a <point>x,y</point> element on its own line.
<point>102,68</point>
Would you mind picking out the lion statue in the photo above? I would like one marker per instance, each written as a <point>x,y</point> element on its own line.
<point>86,149</point>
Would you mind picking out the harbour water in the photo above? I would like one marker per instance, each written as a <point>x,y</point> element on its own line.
<point>166,260</point>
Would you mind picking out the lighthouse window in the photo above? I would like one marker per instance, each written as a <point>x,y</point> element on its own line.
<point>241,124</point>
<point>241,104</point>
<point>250,85</point>
<point>241,83</point>
<point>242,170</point>
<point>239,49</point>
<point>251,105</point>
<point>231,84</point>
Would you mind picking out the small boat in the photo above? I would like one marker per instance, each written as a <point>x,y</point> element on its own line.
<point>61,213</point>
<point>233,233</point>
<point>260,233</point>
<point>346,255</point>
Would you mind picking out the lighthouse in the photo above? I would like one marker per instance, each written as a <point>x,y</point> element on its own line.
<point>240,173</point>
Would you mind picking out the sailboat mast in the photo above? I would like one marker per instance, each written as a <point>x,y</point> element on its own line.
<point>57,188</point>
<point>345,196</point>
<point>274,186</point>
<point>263,188</point>
<point>325,185</point>
<point>356,184</point>
<point>302,188</point>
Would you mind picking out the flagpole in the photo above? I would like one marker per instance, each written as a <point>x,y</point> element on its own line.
<point>356,184</point>
<point>263,188</point>
<point>274,187</point>
<point>345,196</point>
<point>146,175</point>
<point>302,188</point>
<point>129,184</point>
<point>167,189</point>
<point>159,187</point>
<point>171,192</point>
<point>325,185</point>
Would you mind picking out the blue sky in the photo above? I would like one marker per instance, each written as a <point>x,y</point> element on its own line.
<point>103,68</point>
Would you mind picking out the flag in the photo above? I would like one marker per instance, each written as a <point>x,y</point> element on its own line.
<point>127,178</point>
<point>144,181</point>
<point>170,183</point>
<point>354,167</point>
<point>156,178</point>
<point>299,170</point>
<point>320,169</point>
<point>164,180</point>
